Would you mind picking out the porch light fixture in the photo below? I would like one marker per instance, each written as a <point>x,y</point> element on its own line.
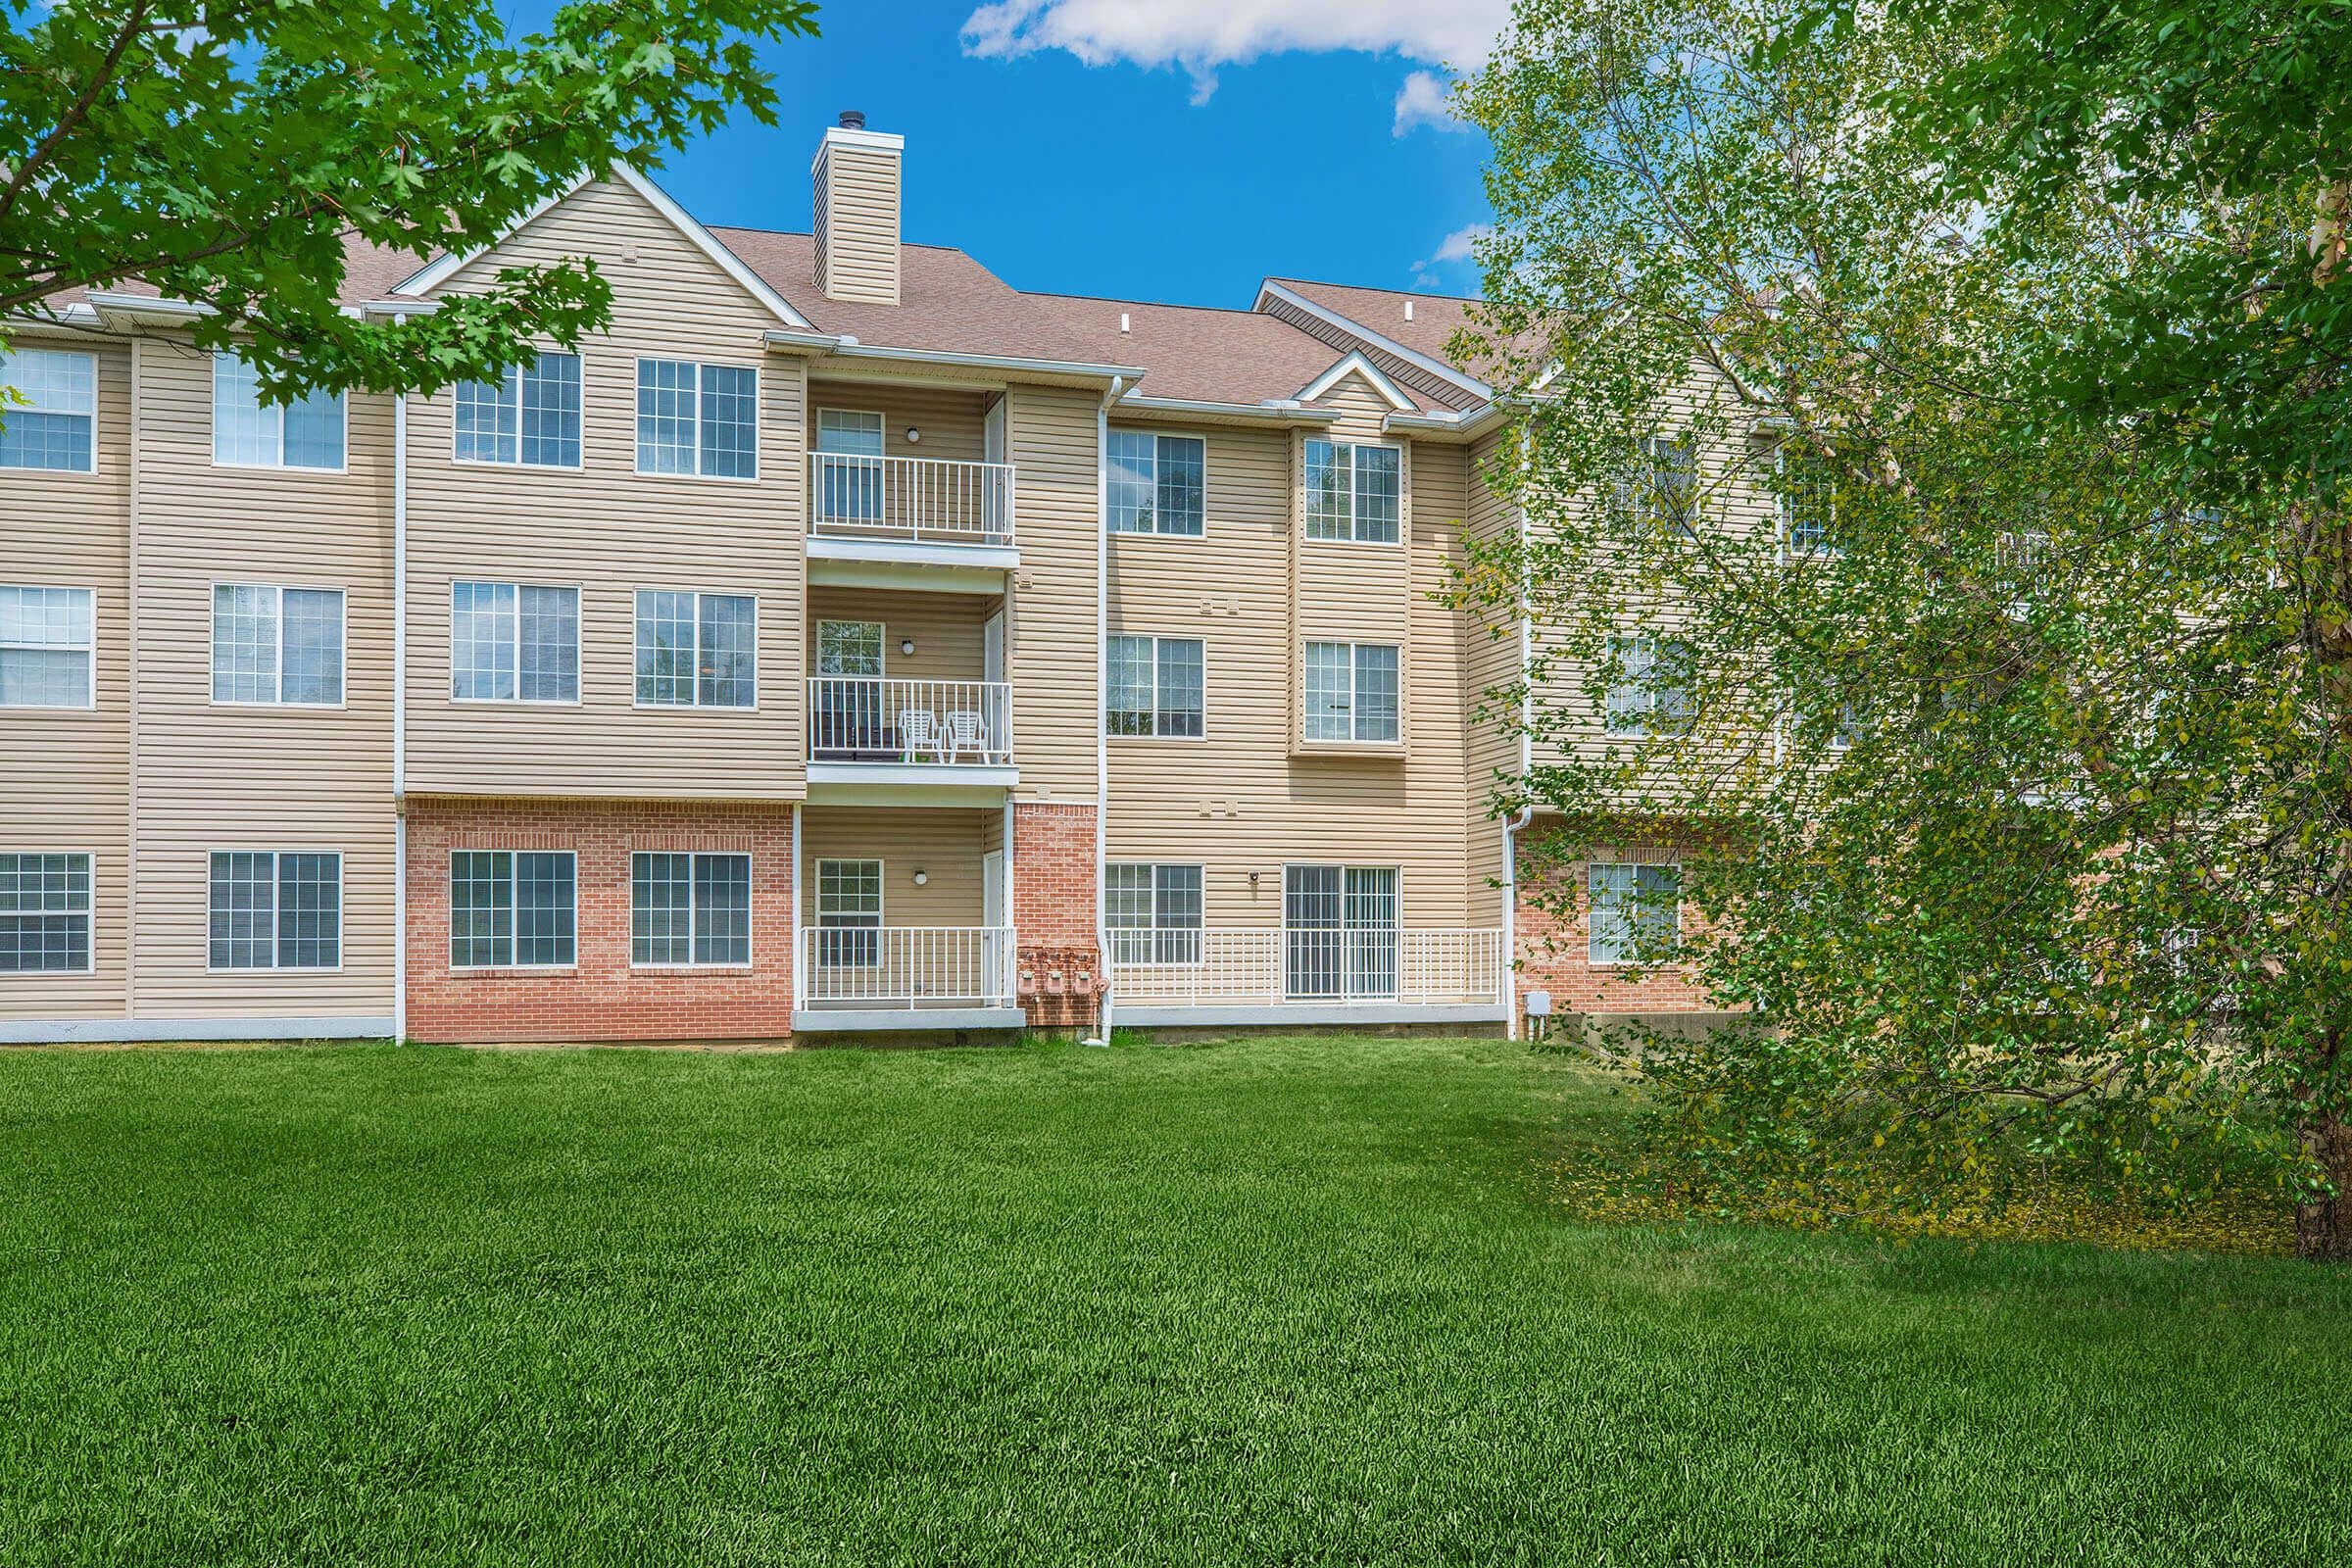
<point>906,647</point>
<point>921,877</point>
<point>913,436</point>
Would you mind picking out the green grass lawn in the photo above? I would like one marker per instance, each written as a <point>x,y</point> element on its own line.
<point>1266,1302</point>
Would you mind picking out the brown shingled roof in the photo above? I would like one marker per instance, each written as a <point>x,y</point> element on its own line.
<point>1381,310</point>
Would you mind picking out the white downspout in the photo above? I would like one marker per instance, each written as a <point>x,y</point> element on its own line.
<point>802,946</point>
<point>399,718</point>
<point>1102,1005</point>
<point>1513,825</point>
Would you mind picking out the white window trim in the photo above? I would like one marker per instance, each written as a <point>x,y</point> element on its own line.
<point>697,705</point>
<point>21,346</point>
<point>1154,867</point>
<point>21,976</point>
<point>751,934</point>
<point>1353,537</point>
<point>1648,728</point>
<point>511,965</point>
<point>579,638</point>
<point>1351,739</point>
<point>637,409</point>
<point>1592,910</point>
<point>518,462</point>
<point>1156,639</point>
<point>1202,436</point>
<point>817,648</point>
<point>816,884</point>
<point>90,699</point>
<point>212,403</point>
<point>342,914</point>
<point>816,426</point>
<point>278,674</point>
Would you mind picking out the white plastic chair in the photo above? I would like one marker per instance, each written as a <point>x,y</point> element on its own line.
<point>966,733</point>
<point>919,732</point>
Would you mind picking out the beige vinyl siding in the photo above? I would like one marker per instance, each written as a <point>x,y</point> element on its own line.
<point>945,844</point>
<point>609,531</point>
<point>1051,438</point>
<point>1490,664</point>
<point>858,223</point>
<point>949,417</point>
<point>945,628</point>
<point>1347,590</point>
<point>258,777</point>
<point>1237,801</point>
<point>65,773</point>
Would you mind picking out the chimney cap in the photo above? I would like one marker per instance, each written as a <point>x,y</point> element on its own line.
<point>852,119</point>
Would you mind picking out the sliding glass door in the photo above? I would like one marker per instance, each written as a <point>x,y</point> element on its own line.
<point>1339,931</point>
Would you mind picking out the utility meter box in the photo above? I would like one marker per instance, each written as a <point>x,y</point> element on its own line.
<point>1539,1003</point>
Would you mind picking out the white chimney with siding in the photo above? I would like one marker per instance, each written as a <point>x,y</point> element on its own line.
<point>857,175</point>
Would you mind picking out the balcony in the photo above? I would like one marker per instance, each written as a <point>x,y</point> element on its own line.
<point>904,977</point>
<point>1310,974</point>
<point>935,517</point>
<point>868,731</point>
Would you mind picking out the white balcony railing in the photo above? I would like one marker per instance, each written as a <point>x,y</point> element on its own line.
<point>945,724</point>
<point>906,967</point>
<point>911,500</point>
<point>1300,963</point>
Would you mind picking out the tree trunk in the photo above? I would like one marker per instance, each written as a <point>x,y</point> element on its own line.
<point>2323,1225</point>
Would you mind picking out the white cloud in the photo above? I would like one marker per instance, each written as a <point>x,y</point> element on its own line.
<point>1457,247</point>
<point>1201,35</point>
<point>1421,100</point>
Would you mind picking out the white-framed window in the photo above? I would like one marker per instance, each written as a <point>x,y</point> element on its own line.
<point>513,643</point>
<point>248,433</point>
<point>1637,911</point>
<point>45,913</point>
<point>849,913</point>
<point>1649,685</point>
<point>47,654</point>
<point>1156,686</point>
<point>1352,691</point>
<point>514,908</point>
<point>1808,504</point>
<point>277,645</point>
<point>276,910</point>
<point>1159,483</point>
<point>689,909</point>
<point>850,471</point>
<point>530,418</point>
<point>697,649</point>
<point>56,427</point>
<point>1352,491</point>
<point>1659,488</point>
<point>698,419</point>
<point>1153,914</point>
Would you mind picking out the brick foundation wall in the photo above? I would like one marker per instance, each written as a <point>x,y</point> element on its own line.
<point>600,997</point>
<point>1054,914</point>
<point>1554,951</point>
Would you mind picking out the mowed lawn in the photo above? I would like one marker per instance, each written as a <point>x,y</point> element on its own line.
<point>1262,1301</point>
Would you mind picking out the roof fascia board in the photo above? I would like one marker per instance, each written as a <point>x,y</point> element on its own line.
<point>1355,328</point>
<point>848,348</point>
<point>1356,364</point>
<point>1463,425</point>
<point>1205,408</point>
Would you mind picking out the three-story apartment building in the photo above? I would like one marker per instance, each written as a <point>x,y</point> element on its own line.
<point>843,640</point>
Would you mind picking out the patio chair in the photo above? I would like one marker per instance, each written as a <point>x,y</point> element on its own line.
<point>966,732</point>
<point>918,733</point>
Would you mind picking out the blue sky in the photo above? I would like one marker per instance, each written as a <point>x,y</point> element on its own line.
<point>1262,146</point>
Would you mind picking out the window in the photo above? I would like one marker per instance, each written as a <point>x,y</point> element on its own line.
<point>1153,912</point>
<point>44,913</point>
<point>1637,911</point>
<point>530,417</point>
<point>275,911</point>
<point>307,433</point>
<point>512,908</point>
<point>1156,686</point>
<point>695,650</point>
<point>1352,691</point>
<point>698,419</point>
<point>848,466</point>
<point>56,427</point>
<point>1808,504</point>
<point>45,649</point>
<point>1662,488</point>
<point>690,909</point>
<point>1649,689</point>
<point>513,643</point>
<point>1351,491</point>
<point>277,645</point>
<point>1339,930</point>
<point>1157,482</point>
<point>849,913</point>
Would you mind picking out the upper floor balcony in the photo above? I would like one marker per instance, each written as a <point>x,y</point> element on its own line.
<point>931,513</point>
<point>937,734</point>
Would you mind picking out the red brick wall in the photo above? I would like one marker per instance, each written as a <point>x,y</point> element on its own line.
<point>1053,913</point>
<point>1554,949</point>
<point>601,998</point>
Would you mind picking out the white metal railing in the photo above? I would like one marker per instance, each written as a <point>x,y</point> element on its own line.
<point>904,968</point>
<point>1271,965</point>
<point>866,718</point>
<point>916,500</point>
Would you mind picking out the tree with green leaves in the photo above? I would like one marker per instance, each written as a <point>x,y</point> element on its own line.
<point>225,151</point>
<point>2003,715</point>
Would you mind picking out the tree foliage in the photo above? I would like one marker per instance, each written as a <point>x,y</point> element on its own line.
<point>224,150</point>
<point>2005,716</point>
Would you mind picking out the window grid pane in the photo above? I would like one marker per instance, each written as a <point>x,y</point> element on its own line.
<point>661,908</point>
<point>550,651</point>
<point>724,669</point>
<point>309,911</point>
<point>1183,487</point>
<point>722,909</point>
<point>481,909</point>
<point>1375,494</point>
<point>1176,914</point>
<point>55,428</point>
<point>849,912</point>
<point>487,421</point>
<point>45,647</point>
<point>730,411</point>
<point>244,643</point>
<point>1133,486</point>
<point>314,426</point>
<point>1330,490</point>
<point>550,396</point>
<point>1180,698</point>
<point>243,431</point>
<point>1131,681</point>
<point>243,910</point>
<point>546,908</point>
<point>1330,691</point>
<point>313,620</point>
<point>481,642</point>
<point>665,628</point>
<point>665,416</point>
<point>1375,692</point>
<point>44,913</point>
